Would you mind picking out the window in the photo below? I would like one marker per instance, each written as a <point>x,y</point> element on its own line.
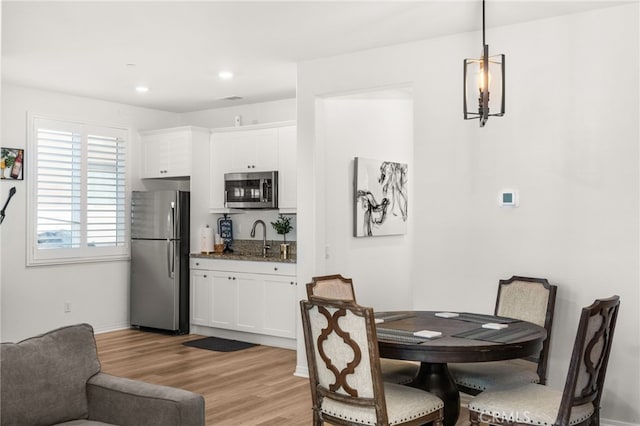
<point>77,187</point>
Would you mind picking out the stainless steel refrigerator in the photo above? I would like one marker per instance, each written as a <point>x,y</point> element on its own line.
<point>160,260</point>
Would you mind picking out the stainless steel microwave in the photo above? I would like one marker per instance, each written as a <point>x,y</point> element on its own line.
<point>252,190</point>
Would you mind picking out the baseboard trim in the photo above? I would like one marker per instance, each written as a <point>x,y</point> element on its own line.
<point>111,327</point>
<point>301,371</point>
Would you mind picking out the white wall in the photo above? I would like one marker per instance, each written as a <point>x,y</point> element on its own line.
<point>258,113</point>
<point>33,298</point>
<point>568,143</point>
<point>376,125</point>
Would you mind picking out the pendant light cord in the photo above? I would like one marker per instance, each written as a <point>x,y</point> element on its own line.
<point>483,38</point>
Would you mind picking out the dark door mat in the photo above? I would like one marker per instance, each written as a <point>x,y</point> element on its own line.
<point>218,344</point>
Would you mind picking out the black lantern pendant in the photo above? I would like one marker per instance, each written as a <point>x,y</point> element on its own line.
<point>485,77</point>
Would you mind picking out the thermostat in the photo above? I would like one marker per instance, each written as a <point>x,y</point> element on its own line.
<point>508,198</point>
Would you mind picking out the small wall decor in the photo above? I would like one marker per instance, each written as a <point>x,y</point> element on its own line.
<point>11,163</point>
<point>380,198</point>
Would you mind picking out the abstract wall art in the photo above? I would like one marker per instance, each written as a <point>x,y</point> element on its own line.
<point>381,193</point>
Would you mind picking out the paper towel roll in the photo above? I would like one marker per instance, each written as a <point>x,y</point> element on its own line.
<point>206,240</point>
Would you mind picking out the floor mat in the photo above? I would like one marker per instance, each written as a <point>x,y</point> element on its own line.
<point>218,344</point>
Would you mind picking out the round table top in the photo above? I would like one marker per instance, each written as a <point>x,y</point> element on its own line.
<point>526,341</point>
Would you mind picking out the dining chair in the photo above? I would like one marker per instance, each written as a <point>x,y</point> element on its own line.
<point>345,375</point>
<point>579,402</point>
<point>337,287</point>
<point>523,298</point>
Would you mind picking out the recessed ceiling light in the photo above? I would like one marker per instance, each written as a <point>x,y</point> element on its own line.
<point>225,75</point>
<point>142,89</point>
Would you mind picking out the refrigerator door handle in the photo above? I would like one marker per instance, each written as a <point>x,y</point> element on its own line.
<point>171,263</point>
<point>171,213</point>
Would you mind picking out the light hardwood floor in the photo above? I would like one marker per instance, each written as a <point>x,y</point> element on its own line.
<point>253,387</point>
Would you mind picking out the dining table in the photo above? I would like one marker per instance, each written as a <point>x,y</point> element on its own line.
<point>455,337</point>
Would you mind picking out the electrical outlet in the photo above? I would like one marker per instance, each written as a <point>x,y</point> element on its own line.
<point>67,307</point>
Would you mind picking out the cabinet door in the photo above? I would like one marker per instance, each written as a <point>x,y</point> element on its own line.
<point>287,169</point>
<point>255,150</point>
<point>166,154</point>
<point>155,157</point>
<point>224,295</point>
<point>250,302</point>
<point>280,306</point>
<point>200,296</point>
<point>179,146</point>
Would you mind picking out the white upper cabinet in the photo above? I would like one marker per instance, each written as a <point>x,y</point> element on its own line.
<point>253,150</point>
<point>166,153</point>
<point>267,148</point>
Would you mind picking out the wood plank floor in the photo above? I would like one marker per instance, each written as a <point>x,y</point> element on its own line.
<point>253,387</point>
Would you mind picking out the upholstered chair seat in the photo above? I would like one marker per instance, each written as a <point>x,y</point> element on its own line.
<point>397,371</point>
<point>529,404</point>
<point>403,404</point>
<point>481,376</point>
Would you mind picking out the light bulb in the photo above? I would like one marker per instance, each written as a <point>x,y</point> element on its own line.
<point>481,79</point>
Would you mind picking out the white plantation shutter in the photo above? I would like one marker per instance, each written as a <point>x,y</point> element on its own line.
<point>78,186</point>
<point>58,193</point>
<point>105,191</point>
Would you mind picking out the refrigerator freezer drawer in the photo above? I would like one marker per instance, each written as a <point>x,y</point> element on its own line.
<point>155,284</point>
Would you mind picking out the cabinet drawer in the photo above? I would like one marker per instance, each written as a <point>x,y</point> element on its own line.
<point>240,266</point>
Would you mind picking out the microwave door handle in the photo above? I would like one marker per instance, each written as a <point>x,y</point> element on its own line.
<point>265,187</point>
<point>225,198</point>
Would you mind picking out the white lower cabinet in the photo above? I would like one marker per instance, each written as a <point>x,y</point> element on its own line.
<point>254,297</point>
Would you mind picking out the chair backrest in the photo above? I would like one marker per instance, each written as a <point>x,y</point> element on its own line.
<point>332,287</point>
<point>342,354</point>
<point>590,356</point>
<point>533,300</point>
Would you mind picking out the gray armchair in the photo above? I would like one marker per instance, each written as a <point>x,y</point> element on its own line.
<point>55,378</point>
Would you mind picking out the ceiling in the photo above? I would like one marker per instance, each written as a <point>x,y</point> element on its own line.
<point>105,49</point>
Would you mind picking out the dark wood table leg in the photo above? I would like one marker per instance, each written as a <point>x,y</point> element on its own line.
<point>436,379</point>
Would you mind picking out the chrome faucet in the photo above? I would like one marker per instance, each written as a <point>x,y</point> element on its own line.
<point>265,247</point>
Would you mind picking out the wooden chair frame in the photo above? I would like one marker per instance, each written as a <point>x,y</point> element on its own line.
<point>318,392</point>
<point>314,288</point>
<point>581,360</point>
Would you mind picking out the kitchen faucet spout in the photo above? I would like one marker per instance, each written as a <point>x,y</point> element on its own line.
<point>265,247</point>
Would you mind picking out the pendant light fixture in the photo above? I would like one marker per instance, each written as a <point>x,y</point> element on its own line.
<point>484,77</point>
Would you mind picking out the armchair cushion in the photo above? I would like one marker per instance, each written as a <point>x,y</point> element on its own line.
<point>121,401</point>
<point>44,377</point>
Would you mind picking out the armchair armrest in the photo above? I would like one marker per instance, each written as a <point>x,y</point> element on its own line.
<point>128,402</point>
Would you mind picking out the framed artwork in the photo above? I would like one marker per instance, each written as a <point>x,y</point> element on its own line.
<point>380,198</point>
<point>11,163</point>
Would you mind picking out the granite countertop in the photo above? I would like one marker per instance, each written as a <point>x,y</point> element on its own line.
<point>251,250</point>
<point>271,257</point>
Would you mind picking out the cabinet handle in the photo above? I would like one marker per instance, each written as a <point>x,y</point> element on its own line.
<point>234,278</point>
<point>291,283</point>
<point>275,269</point>
<point>197,264</point>
<point>205,276</point>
